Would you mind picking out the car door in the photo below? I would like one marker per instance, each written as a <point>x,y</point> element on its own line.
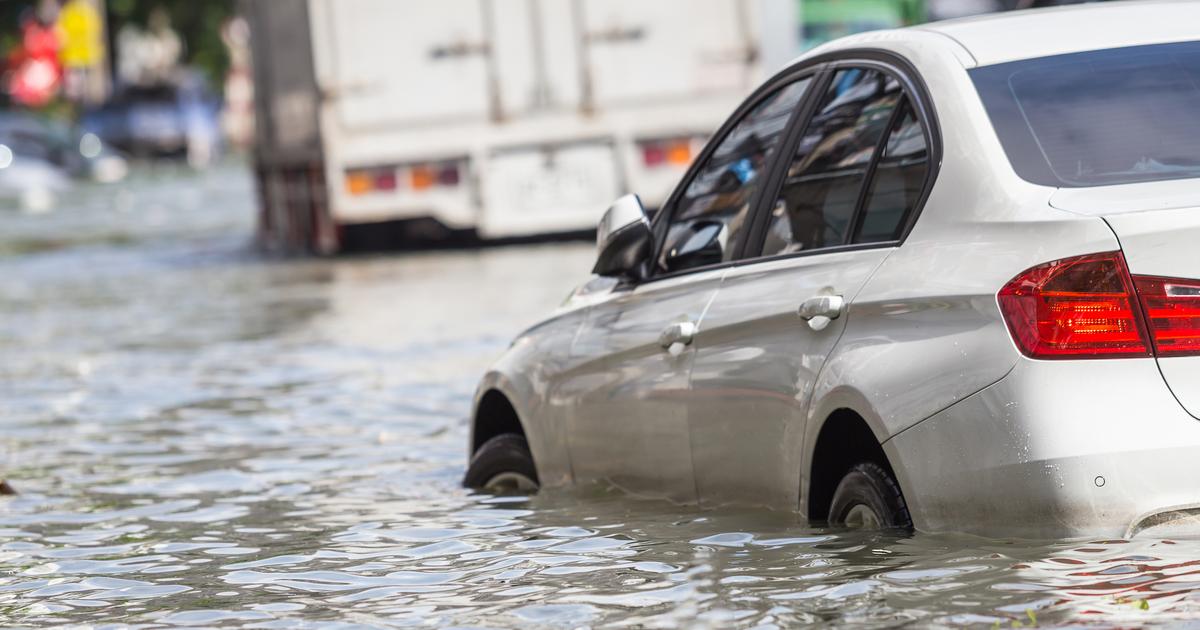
<point>629,423</point>
<point>855,174</point>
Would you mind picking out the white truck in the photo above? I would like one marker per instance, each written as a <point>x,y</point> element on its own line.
<point>385,119</point>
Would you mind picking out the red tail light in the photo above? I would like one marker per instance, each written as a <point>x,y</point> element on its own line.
<point>653,154</point>
<point>1076,308</point>
<point>1172,308</point>
<point>668,152</point>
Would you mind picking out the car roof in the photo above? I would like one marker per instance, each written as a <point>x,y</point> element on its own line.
<point>1011,36</point>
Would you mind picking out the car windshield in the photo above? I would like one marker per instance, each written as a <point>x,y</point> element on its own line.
<point>1102,117</point>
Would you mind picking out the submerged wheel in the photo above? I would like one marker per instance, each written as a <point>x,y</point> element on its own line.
<point>503,464</point>
<point>868,497</point>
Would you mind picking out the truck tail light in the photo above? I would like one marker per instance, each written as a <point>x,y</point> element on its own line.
<point>433,175</point>
<point>1172,308</point>
<point>1076,308</point>
<point>358,182</point>
<point>422,177</point>
<point>670,152</point>
<point>418,177</point>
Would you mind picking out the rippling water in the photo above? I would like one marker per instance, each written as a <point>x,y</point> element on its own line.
<point>205,437</point>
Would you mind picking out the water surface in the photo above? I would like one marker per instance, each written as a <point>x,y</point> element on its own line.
<point>203,436</point>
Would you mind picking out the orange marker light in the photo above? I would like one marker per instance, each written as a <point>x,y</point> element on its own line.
<point>679,153</point>
<point>422,177</point>
<point>358,182</point>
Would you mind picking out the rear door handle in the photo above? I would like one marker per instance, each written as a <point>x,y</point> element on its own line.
<point>820,309</point>
<point>681,333</point>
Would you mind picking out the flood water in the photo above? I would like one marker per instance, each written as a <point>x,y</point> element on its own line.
<point>204,436</point>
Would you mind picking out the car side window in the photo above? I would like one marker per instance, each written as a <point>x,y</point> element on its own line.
<point>898,181</point>
<point>816,204</point>
<point>714,206</point>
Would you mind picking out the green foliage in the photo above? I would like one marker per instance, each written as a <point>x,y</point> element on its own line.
<point>198,24</point>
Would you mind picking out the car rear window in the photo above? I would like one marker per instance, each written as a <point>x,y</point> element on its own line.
<point>1101,117</point>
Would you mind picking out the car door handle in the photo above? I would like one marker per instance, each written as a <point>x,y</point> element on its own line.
<point>677,333</point>
<point>817,310</point>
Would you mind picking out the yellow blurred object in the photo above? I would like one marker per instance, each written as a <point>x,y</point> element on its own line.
<point>83,38</point>
<point>358,183</point>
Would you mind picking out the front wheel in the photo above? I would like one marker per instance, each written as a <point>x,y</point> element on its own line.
<point>503,464</point>
<point>868,497</point>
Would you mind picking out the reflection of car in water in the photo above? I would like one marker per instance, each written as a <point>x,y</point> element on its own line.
<point>39,157</point>
<point>167,120</point>
<point>961,293</point>
<point>79,154</point>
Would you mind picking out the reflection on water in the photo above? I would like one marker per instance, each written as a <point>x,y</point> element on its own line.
<point>206,437</point>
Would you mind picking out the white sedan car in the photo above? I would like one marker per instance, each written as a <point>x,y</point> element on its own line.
<point>944,277</point>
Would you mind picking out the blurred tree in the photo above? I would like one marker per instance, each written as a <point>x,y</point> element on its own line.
<point>197,22</point>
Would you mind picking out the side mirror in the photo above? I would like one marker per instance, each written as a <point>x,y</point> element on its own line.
<point>623,239</point>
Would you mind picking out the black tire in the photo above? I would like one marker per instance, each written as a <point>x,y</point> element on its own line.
<point>871,486</point>
<point>500,464</point>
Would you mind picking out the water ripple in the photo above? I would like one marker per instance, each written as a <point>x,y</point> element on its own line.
<point>204,437</point>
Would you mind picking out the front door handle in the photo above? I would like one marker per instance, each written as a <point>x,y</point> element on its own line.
<point>819,310</point>
<point>681,333</point>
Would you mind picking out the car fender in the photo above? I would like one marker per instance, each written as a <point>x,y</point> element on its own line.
<point>527,375</point>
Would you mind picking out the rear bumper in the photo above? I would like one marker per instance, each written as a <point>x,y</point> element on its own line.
<point>1055,449</point>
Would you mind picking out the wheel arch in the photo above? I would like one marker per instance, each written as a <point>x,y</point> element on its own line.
<point>842,431</point>
<point>494,415</point>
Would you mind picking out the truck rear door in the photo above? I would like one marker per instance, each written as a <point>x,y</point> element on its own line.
<point>666,49</point>
<point>396,67</point>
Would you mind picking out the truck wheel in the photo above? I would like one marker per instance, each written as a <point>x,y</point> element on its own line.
<point>504,465</point>
<point>869,498</point>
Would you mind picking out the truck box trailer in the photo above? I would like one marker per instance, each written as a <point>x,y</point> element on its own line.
<point>500,118</point>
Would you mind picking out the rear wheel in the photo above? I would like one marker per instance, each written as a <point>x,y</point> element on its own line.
<point>868,497</point>
<point>503,464</point>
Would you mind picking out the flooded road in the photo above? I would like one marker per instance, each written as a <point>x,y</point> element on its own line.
<point>206,437</point>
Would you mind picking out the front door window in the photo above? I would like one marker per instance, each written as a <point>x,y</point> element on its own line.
<point>715,205</point>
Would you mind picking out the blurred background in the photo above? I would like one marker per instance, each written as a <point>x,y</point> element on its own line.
<point>375,124</point>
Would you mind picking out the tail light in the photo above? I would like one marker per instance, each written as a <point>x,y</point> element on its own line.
<point>422,177</point>
<point>416,177</point>
<point>365,180</point>
<point>432,175</point>
<point>670,152</point>
<point>1172,309</point>
<point>1091,307</point>
<point>1076,308</point>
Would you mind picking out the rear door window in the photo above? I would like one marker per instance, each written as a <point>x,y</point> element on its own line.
<point>822,186</point>
<point>898,181</point>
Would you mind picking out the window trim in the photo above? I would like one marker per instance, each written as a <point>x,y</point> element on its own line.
<point>918,98</point>
<point>820,68</point>
<point>860,206</point>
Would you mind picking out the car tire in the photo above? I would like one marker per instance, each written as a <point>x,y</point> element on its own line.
<point>503,465</point>
<point>868,497</point>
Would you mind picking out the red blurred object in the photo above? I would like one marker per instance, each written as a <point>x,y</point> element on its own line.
<point>448,175</point>
<point>386,180</point>
<point>653,154</point>
<point>36,69</point>
<point>1172,308</point>
<point>1076,308</point>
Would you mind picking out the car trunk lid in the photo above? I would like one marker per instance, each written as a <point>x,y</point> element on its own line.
<point>1158,227</point>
